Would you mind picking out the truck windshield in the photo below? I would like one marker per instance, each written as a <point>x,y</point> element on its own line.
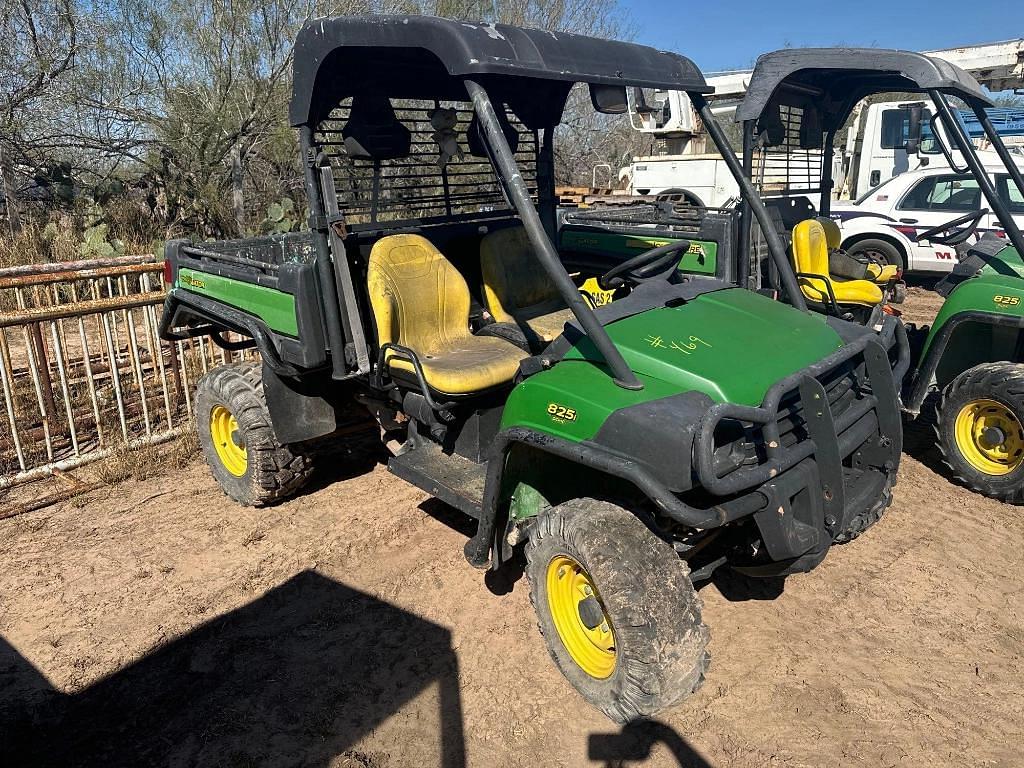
<point>896,131</point>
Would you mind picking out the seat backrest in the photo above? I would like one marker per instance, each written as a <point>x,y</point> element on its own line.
<point>833,236</point>
<point>373,131</point>
<point>419,299</point>
<point>810,248</point>
<point>513,276</point>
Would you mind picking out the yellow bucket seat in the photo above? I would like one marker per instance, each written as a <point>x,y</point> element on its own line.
<point>876,272</point>
<point>421,301</point>
<point>810,255</point>
<point>516,287</point>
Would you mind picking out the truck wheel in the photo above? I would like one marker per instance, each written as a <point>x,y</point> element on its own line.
<point>239,443</point>
<point>981,429</point>
<point>616,608</point>
<point>881,251</point>
<point>870,516</point>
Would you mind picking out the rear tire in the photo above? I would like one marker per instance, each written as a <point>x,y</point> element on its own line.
<point>238,440</point>
<point>638,642</point>
<point>880,251</point>
<point>980,430</point>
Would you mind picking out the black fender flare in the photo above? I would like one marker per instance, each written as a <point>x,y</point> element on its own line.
<point>478,549</point>
<point>927,366</point>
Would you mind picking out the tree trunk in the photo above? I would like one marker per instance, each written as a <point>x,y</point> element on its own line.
<point>237,198</point>
<point>10,193</point>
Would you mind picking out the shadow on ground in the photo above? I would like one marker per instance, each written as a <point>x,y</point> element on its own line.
<point>296,677</point>
<point>357,455</point>
<point>635,742</point>
<point>738,587</point>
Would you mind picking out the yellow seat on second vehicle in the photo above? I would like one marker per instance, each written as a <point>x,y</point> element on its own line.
<point>421,301</point>
<point>516,287</point>
<point>833,236</point>
<point>810,256</point>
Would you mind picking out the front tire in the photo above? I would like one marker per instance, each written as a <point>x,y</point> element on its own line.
<point>238,440</point>
<point>616,608</point>
<point>980,430</point>
<point>868,517</point>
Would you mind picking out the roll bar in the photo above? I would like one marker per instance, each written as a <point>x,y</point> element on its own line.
<point>753,203</point>
<point>512,181</point>
<point>956,132</point>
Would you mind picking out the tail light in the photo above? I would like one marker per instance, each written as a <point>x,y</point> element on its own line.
<point>168,273</point>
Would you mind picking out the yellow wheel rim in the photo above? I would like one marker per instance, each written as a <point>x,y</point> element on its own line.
<point>228,441</point>
<point>580,618</point>
<point>990,437</point>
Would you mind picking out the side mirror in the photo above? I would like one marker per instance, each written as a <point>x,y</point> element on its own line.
<point>609,99</point>
<point>913,144</point>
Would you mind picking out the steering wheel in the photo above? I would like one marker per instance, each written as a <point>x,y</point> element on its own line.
<point>971,220</point>
<point>656,264</point>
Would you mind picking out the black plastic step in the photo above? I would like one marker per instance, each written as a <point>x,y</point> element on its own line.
<point>449,477</point>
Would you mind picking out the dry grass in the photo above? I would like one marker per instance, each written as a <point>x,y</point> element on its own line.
<point>138,463</point>
<point>58,237</point>
<point>40,242</point>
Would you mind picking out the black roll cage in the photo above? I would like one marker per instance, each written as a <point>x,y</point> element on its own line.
<point>833,81</point>
<point>530,75</point>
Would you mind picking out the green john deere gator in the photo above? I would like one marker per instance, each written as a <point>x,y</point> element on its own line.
<point>631,449</point>
<point>966,375</point>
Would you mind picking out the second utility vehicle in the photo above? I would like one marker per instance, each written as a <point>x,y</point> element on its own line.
<point>968,371</point>
<point>634,448</point>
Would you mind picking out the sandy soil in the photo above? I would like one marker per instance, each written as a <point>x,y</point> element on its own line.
<point>160,624</point>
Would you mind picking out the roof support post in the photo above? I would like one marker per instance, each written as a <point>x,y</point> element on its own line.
<point>827,182</point>
<point>954,129</point>
<point>519,196</point>
<point>743,268</point>
<point>753,200</point>
<point>999,145</point>
<point>324,263</point>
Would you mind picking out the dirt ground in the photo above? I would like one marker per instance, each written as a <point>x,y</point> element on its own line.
<point>158,623</point>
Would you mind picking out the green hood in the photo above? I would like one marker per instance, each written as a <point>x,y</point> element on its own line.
<point>732,345</point>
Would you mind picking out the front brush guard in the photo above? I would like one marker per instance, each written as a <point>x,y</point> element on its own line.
<point>823,427</point>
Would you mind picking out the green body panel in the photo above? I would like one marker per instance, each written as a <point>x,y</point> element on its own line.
<point>273,307</point>
<point>732,345</point>
<point>701,259</point>
<point>999,289</point>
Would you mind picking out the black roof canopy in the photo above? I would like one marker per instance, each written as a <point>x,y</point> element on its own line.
<point>428,57</point>
<point>835,79</point>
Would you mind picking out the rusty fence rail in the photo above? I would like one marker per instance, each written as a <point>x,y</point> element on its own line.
<point>83,371</point>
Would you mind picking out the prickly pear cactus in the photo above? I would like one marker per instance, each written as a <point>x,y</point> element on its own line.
<point>97,246</point>
<point>280,218</point>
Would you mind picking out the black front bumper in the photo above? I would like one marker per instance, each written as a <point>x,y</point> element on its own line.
<point>821,448</point>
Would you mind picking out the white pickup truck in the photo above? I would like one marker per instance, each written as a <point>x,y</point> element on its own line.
<point>885,222</point>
